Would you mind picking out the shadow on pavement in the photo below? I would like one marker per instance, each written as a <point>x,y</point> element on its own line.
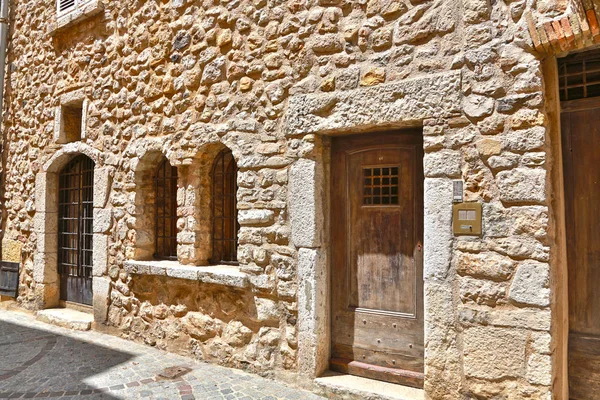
<point>38,363</point>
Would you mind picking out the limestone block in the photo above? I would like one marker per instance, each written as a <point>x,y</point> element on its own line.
<point>488,147</point>
<point>443,359</point>
<point>100,254</point>
<point>45,268</point>
<point>522,185</point>
<point>541,342</point>
<point>521,247</point>
<point>237,334</point>
<point>101,288</point>
<point>539,369</point>
<point>46,242</point>
<point>266,310</point>
<point>256,217</point>
<point>411,100</point>
<point>494,353</point>
<point>102,220</point>
<point>313,312</point>
<point>45,200</point>
<point>11,250</point>
<point>305,194</point>
<point>487,265</point>
<point>524,139</point>
<point>482,291</point>
<point>45,222</point>
<point>530,285</point>
<point>200,326</point>
<point>477,106</point>
<point>438,228</point>
<point>521,318</point>
<point>102,185</point>
<point>444,163</point>
<point>183,272</point>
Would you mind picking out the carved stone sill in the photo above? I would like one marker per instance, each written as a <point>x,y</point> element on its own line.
<point>225,275</point>
<point>82,12</point>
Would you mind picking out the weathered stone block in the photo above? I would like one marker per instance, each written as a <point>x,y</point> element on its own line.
<point>438,222</point>
<point>494,353</point>
<point>530,285</point>
<point>102,220</point>
<point>256,217</point>
<point>102,185</point>
<point>444,163</point>
<point>99,254</point>
<point>267,310</point>
<point>487,265</point>
<point>522,185</point>
<point>539,369</point>
<point>305,194</point>
<point>101,288</point>
<point>407,101</point>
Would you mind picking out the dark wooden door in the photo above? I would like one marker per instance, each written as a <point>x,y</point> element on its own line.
<point>581,157</point>
<point>75,219</point>
<point>377,269</point>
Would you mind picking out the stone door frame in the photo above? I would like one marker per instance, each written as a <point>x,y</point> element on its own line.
<point>45,263</point>
<point>421,102</point>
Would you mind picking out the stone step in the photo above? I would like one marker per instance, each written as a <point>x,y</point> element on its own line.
<point>66,318</point>
<point>349,387</point>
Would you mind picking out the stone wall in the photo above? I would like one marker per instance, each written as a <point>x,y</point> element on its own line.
<point>268,78</point>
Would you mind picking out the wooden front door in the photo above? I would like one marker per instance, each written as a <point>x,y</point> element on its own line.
<point>581,158</point>
<point>377,268</point>
<point>75,219</point>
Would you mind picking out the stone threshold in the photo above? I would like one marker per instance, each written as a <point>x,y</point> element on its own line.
<point>335,385</point>
<point>66,318</point>
<point>225,275</point>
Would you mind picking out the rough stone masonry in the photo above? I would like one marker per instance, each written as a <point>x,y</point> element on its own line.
<point>272,80</point>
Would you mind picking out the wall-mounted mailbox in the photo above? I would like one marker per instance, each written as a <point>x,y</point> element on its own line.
<point>466,219</point>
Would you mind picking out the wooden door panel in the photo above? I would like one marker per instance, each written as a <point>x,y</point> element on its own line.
<point>377,299</point>
<point>581,158</point>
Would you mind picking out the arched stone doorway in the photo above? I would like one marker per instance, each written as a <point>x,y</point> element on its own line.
<point>75,230</point>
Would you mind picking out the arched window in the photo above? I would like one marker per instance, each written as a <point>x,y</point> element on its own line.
<point>224,209</point>
<point>165,183</point>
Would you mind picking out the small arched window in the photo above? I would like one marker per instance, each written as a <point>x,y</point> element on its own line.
<point>165,183</point>
<point>224,209</point>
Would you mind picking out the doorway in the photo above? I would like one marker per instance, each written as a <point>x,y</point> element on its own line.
<point>377,261</point>
<point>579,76</point>
<point>75,223</point>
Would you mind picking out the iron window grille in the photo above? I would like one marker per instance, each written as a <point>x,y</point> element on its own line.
<point>165,183</point>
<point>224,209</point>
<point>76,206</point>
<point>579,76</point>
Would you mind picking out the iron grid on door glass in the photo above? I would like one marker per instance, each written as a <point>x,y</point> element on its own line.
<point>579,76</point>
<point>165,184</point>
<point>76,218</point>
<point>224,209</point>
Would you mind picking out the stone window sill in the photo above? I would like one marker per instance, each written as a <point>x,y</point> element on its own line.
<point>82,12</point>
<point>225,275</point>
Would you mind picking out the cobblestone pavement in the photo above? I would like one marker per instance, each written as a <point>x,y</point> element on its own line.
<point>43,361</point>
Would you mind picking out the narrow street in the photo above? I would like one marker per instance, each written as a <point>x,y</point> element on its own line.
<point>38,360</point>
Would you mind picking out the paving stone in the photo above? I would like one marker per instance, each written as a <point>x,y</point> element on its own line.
<point>39,360</point>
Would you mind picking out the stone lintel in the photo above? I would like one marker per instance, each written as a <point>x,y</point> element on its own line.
<point>399,104</point>
<point>225,275</point>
